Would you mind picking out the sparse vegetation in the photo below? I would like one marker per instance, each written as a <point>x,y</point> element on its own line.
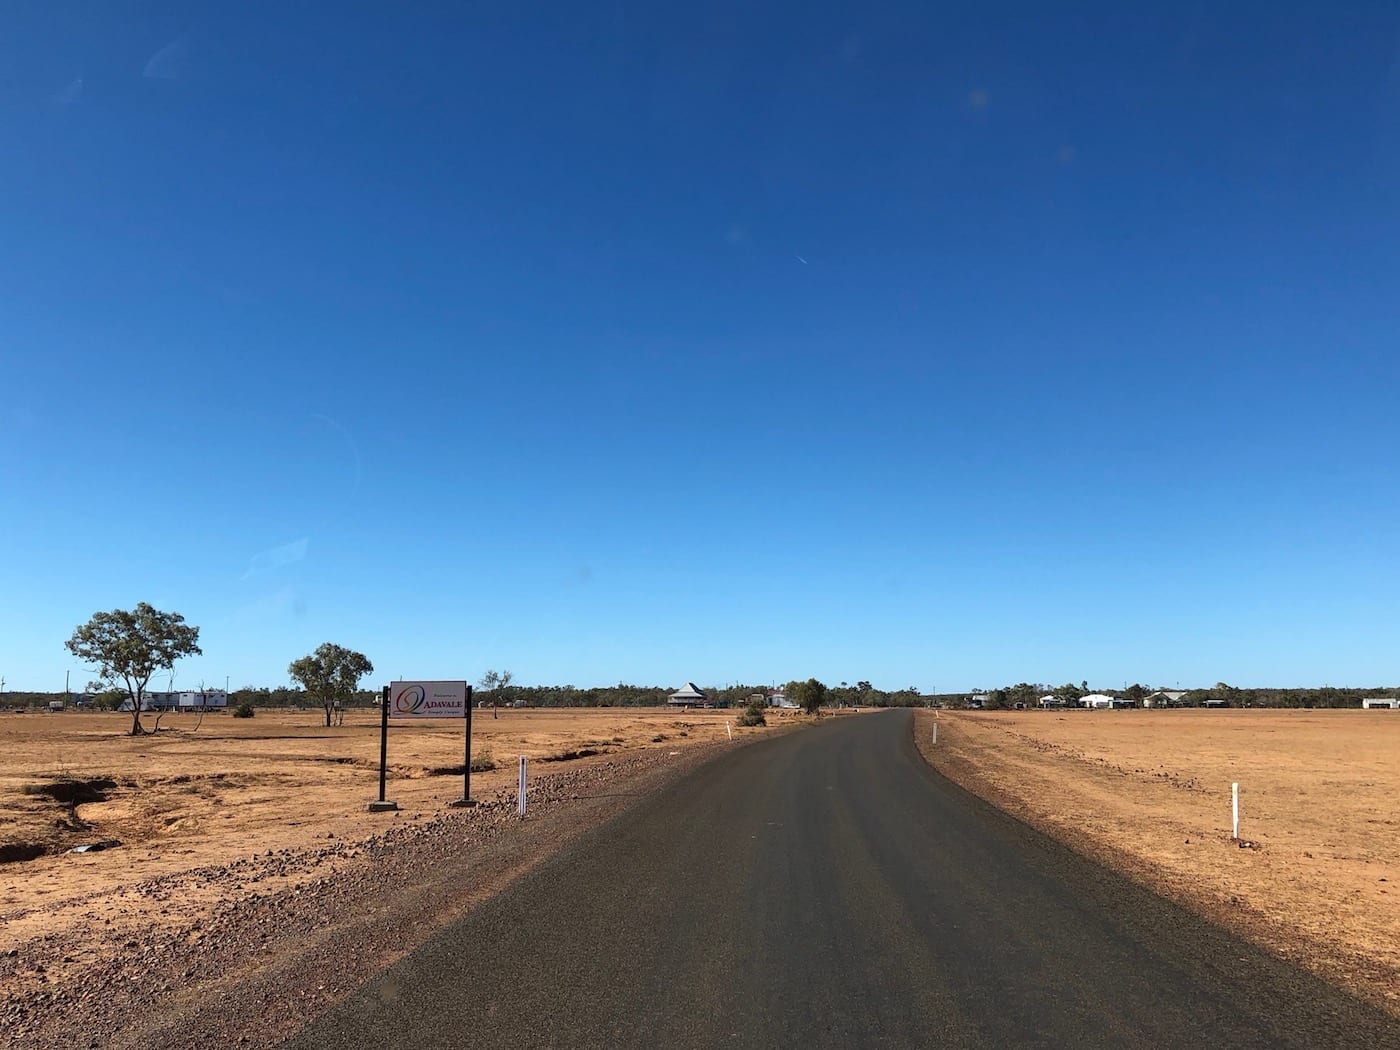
<point>571,753</point>
<point>243,710</point>
<point>483,762</point>
<point>753,715</point>
<point>497,683</point>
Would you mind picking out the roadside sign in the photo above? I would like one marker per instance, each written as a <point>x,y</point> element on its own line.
<point>427,699</point>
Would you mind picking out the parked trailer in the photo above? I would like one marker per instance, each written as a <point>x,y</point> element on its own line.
<point>206,700</point>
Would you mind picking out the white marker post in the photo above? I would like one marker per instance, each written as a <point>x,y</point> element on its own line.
<point>1235,803</point>
<point>520,797</point>
<point>935,734</point>
<point>729,729</point>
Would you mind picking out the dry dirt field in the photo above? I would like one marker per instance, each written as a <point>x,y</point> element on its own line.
<point>187,799</point>
<point>1148,792</point>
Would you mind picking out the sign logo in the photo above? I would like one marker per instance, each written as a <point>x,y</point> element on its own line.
<point>409,700</point>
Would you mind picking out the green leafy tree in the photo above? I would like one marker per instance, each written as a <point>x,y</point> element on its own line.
<point>496,683</point>
<point>330,675</point>
<point>808,695</point>
<point>1023,693</point>
<point>128,647</point>
<point>105,698</point>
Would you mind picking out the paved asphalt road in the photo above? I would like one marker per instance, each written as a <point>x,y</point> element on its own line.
<point>827,889</point>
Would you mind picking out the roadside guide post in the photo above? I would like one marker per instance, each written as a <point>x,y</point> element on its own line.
<point>520,796</point>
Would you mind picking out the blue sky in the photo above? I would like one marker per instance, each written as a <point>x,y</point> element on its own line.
<point>944,346</point>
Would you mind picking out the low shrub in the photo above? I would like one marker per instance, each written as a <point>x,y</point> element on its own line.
<point>753,715</point>
<point>483,762</point>
<point>243,710</point>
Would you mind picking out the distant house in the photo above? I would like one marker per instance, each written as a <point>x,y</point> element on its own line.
<point>778,698</point>
<point>1050,700</point>
<point>1122,702</point>
<point>978,700</point>
<point>690,696</point>
<point>1096,701</point>
<point>1215,701</point>
<point>1380,703</point>
<point>1164,698</point>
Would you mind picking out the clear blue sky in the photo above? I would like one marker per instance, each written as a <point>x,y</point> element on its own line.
<point>939,345</point>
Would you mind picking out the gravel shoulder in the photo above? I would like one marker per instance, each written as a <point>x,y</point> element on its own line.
<point>267,960</point>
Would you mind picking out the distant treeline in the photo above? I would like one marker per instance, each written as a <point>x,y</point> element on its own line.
<point>1029,695</point>
<point>288,696</point>
<point>862,694</point>
<point>620,695</point>
<point>1327,696</point>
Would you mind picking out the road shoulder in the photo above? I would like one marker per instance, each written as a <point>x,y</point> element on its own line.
<point>1117,837</point>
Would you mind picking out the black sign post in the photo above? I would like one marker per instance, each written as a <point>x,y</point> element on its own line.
<point>381,805</point>
<point>466,799</point>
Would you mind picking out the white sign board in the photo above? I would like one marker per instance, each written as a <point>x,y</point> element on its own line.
<point>427,699</point>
